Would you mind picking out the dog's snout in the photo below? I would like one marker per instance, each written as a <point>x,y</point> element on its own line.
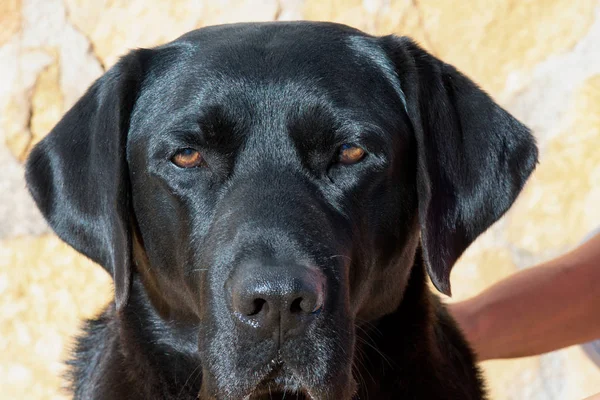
<point>276,300</point>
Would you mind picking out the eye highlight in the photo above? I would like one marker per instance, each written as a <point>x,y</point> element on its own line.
<point>188,158</point>
<point>350,154</point>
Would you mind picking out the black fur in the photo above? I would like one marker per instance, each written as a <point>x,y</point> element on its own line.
<point>268,106</point>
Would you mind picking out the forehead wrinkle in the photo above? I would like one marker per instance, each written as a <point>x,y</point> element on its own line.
<point>368,48</point>
<point>268,139</point>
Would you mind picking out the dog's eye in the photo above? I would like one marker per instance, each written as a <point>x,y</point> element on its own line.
<point>350,154</point>
<point>188,158</point>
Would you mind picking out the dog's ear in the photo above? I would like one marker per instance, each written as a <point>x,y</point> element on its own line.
<point>473,156</point>
<point>78,174</point>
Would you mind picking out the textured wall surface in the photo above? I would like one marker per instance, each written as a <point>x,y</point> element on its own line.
<point>538,58</point>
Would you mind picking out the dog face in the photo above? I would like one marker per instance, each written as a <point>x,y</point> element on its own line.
<point>269,185</point>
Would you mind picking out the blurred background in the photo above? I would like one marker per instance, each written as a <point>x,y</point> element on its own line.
<point>539,58</point>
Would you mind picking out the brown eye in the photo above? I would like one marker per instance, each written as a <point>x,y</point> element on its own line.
<point>187,158</point>
<point>350,154</point>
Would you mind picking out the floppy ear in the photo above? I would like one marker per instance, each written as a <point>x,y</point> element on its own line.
<point>473,156</point>
<point>78,174</point>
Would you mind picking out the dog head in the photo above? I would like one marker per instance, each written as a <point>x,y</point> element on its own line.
<point>269,185</point>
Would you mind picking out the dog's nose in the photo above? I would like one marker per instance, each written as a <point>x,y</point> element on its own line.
<point>277,300</point>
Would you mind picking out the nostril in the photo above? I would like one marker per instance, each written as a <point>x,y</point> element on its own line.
<point>296,306</point>
<point>257,306</point>
<point>306,305</point>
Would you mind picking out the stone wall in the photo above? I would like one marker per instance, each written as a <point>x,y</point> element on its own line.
<point>538,58</point>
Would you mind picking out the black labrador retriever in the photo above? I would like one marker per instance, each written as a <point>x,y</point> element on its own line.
<point>269,199</point>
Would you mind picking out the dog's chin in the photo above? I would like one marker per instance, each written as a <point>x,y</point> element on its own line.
<point>278,379</point>
<point>284,383</point>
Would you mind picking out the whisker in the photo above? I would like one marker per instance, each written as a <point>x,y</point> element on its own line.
<point>196,270</point>
<point>383,356</point>
<point>361,357</point>
<point>340,256</point>
<point>369,324</point>
<point>188,379</point>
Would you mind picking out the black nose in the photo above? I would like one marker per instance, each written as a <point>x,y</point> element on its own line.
<point>276,300</point>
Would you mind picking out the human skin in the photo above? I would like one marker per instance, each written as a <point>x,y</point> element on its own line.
<point>540,309</point>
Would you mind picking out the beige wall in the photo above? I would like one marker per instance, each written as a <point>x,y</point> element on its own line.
<point>539,58</point>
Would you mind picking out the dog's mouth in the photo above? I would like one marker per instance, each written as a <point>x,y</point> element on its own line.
<point>281,394</point>
<point>272,390</point>
<point>280,384</point>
